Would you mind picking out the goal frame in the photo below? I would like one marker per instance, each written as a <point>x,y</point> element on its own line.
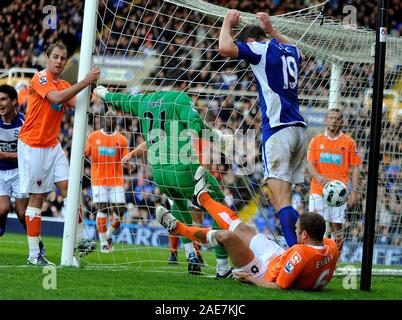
<point>78,141</point>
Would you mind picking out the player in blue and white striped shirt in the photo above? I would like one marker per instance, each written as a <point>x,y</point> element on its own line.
<point>275,64</point>
<point>10,125</point>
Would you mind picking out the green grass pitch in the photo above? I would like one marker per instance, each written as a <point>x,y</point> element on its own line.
<point>147,280</point>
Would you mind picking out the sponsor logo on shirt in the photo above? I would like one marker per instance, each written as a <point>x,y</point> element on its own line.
<point>43,80</point>
<point>8,146</point>
<point>107,151</point>
<point>296,258</point>
<point>331,158</point>
<point>289,267</point>
<point>56,107</point>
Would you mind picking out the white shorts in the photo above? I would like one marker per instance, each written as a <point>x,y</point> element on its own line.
<point>103,194</point>
<point>264,250</point>
<point>285,155</point>
<point>331,214</point>
<point>10,184</point>
<point>41,168</point>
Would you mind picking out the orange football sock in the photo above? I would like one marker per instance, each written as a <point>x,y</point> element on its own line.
<point>197,249</point>
<point>173,243</point>
<point>224,217</point>
<point>192,233</point>
<point>101,222</point>
<point>33,225</point>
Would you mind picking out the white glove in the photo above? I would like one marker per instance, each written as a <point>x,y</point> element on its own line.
<point>226,143</point>
<point>101,92</point>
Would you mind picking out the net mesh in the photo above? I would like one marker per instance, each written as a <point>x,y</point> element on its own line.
<point>138,42</point>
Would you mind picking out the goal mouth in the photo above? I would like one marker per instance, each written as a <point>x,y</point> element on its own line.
<point>138,44</point>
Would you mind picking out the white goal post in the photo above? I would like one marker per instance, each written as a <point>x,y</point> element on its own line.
<point>80,124</point>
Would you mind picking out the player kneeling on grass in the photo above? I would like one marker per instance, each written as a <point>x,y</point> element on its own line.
<point>308,265</point>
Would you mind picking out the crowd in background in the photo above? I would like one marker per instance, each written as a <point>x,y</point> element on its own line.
<point>25,39</point>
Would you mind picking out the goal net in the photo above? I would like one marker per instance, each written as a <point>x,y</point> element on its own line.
<point>139,42</point>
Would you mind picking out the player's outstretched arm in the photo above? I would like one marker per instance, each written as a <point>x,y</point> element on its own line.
<point>68,95</point>
<point>248,278</point>
<point>139,152</point>
<point>227,47</point>
<point>314,172</point>
<point>120,101</point>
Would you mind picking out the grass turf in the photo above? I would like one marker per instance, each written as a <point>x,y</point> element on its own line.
<point>133,273</point>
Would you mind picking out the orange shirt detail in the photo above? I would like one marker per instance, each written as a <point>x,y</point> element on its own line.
<point>106,152</point>
<point>333,158</point>
<point>43,118</point>
<point>304,267</point>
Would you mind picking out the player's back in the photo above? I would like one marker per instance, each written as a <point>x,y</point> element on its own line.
<point>304,267</point>
<point>164,117</point>
<point>276,68</point>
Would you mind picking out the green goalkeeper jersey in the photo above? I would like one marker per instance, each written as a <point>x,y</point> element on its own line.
<point>168,120</point>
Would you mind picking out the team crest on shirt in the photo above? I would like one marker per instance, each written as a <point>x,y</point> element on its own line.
<point>289,267</point>
<point>296,258</point>
<point>42,80</point>
<point>321,146</point>
<point>39,182</point>
<point>98,141</point>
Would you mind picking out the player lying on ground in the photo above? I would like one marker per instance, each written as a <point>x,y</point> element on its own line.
<point>308,265</point>
<point>168,116</point>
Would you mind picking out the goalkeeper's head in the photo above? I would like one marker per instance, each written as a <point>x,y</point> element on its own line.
<point>109,121</point>
<point>177,79</point>
<point>251,33</point>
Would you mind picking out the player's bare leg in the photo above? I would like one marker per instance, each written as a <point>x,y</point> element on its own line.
<point>101,223</point>
<point>198,220</point>
<point>281,199</point>
<point>5,207</point>
<point>117,212</point>
<point>21,205</point>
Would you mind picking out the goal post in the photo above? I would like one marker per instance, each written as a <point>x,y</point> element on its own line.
<point>79,133</point>
<point>375,140</point>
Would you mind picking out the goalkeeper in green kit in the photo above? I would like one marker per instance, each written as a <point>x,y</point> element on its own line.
<point>169,120</point>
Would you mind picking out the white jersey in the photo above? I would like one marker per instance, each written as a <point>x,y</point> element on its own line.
<point>9,140</point>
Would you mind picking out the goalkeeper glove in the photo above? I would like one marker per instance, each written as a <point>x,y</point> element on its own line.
<point>226,143</point>
<point>101,92</point>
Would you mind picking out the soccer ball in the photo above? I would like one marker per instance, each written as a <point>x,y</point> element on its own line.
<point>335,193</point>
